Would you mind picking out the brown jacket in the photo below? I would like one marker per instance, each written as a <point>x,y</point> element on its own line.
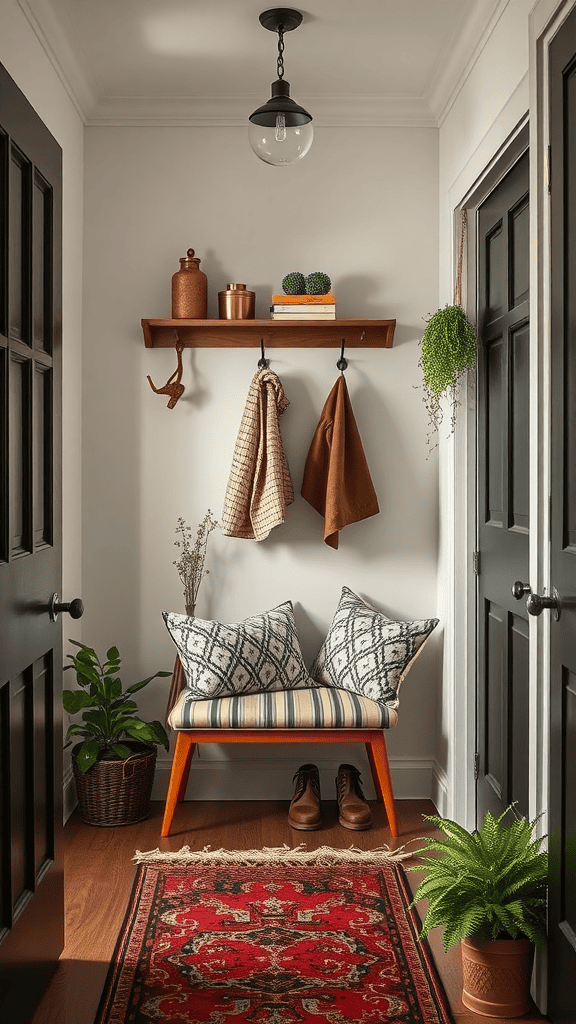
<point>337,480</point>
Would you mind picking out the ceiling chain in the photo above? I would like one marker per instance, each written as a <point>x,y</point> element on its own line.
<point>280,62</point>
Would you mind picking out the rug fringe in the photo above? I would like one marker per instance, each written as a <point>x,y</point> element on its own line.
<point>323,856</point>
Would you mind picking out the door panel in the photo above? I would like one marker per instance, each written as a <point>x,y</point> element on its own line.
<point>31,896</point>
<point>562,802</point>
<point>502,492</point>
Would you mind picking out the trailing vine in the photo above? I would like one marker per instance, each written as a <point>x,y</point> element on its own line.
<point>449,349</point>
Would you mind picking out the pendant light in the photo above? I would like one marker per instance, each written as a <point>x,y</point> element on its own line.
<point>280,131</point>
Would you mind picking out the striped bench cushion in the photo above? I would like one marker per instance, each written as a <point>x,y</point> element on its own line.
<point>323,708</point>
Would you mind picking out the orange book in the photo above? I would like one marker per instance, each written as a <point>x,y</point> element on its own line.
<point>303,298</point>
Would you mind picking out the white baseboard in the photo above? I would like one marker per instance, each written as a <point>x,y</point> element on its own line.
<point>439,789</point>
<point>70,797</point>
<point>256,779</point>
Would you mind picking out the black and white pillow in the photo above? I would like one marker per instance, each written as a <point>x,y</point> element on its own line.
<point>258,654</point>
<point>367,653</point>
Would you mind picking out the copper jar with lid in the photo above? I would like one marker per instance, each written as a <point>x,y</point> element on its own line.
<point>236,303</point>
<point>189,290</point>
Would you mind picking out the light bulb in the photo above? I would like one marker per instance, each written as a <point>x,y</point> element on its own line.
<point>280,128</point>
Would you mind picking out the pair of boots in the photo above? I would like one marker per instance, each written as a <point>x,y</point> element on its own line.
<point>305,811</point>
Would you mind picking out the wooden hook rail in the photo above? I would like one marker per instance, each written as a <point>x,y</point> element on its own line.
<point>274,333</point>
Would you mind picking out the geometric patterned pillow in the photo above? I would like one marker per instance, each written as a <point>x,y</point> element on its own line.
<point>262,653</point>
<point>367,653</point>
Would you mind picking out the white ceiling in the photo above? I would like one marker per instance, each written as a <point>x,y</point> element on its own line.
<point>211,62</point>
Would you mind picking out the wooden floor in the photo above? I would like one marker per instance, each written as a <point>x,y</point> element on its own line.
<point>100,872</point>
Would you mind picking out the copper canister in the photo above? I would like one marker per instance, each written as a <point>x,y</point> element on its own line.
<point>189,290</point>
<point>236,303</point>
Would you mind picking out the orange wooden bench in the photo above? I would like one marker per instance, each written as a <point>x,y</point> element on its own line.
<point>188,738</point>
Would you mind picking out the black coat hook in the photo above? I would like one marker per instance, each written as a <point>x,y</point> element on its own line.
<point>263,363</point>
<point>342,363</point>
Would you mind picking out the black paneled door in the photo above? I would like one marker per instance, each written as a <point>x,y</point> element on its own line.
<point>503,493</point>
<point>31,882</point>
<point>562,804</point>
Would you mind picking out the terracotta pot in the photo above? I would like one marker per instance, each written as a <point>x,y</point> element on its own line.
<point>496,976</point>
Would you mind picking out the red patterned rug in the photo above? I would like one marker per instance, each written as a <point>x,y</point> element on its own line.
<point>274,936</point>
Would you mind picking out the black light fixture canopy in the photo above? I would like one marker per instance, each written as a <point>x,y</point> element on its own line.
<point>287,119</point>
<point>280,102</point>
<point>286,17</point>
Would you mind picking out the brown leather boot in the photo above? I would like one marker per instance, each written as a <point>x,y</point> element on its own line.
<point>353,811</point>
<point>305,812</point>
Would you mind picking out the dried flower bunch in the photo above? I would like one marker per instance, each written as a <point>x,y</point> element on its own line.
<point>190,564</point>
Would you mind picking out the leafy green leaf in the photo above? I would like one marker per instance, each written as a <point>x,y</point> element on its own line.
<point>140,731</point>
<point>160,734</point>
<point>144,682</point>
<point>75,730</point>
<point>124,704</point>
<point>96,718</point>
<point>115,689</point>
<point>122,750</point>
<point>75,700</point>
<point>82,647</point>
<point>87,754</point>
<point>86,674</point>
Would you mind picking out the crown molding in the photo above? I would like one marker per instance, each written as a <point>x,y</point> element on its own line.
<point>455,65</point>
<point>428,111</point>
<point>42,19</point>
<point>233,111</point>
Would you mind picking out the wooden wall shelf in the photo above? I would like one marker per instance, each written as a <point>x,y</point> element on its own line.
<point>274,333</point>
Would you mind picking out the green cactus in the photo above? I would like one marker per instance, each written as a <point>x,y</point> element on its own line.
<point>318,284</point>
<point>294,283</point>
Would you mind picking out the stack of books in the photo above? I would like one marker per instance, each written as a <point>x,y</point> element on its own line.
<point>303,307</point>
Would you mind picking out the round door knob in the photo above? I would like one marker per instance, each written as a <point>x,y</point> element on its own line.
<point>536,603</point>
<point>519,589</point>
<point>74,608</point>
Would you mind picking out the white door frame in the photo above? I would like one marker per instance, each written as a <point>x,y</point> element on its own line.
<point>457,469</point>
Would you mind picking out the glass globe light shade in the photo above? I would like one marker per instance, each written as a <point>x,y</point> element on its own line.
<point>278,144</point>
<point>280,131</point>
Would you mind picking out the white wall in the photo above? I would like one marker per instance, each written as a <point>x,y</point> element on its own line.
<point>492,100</point>
<point>26,61</point>
<point>362,206</point>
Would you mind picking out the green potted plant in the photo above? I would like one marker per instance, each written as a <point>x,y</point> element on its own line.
<point>114,764</point>
<point>449,349</point>
<point>489,891</point>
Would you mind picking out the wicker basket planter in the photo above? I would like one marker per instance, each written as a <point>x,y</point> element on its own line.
<point>116,792</point>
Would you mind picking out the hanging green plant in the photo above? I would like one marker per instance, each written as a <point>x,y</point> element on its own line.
<point>448,351</point>
<point>449,348</point>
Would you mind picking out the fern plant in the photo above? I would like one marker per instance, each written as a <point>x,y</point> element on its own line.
<point>489,884</point>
